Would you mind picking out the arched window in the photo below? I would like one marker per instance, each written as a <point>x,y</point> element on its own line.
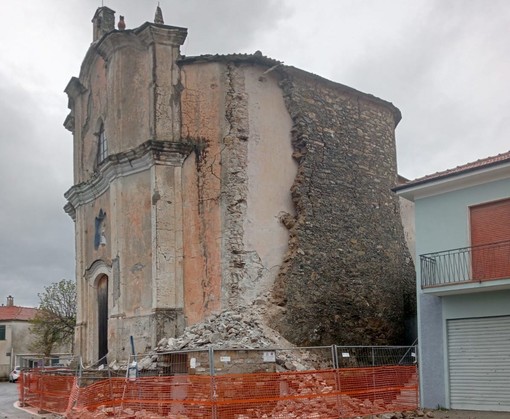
<point>102,145</point>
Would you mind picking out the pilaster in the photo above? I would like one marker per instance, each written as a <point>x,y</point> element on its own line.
<point>165,114</point>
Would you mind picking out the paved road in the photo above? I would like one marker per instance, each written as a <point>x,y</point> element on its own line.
<point>469,414</point>
<point>8,396</point>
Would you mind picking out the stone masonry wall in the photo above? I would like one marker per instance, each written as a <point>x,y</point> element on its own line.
<point>234,189</point>
<point>348,276</point>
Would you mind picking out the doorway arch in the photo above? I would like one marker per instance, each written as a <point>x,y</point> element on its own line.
<point>102,318</point>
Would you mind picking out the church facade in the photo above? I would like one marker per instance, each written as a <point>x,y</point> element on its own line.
<point>223,182</point>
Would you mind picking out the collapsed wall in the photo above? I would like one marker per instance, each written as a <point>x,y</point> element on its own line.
<point>348,276</point>
<point>212,183</point>
<point>303,169</point>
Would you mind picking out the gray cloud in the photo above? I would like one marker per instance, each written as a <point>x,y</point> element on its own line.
<point>447,74</point>
<point>36,237</point>
<point>48,44</point>
<point>445,64</point>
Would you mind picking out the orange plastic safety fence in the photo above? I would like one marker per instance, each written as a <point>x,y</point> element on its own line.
<point>325,394</point>
<point>317,394</point>
<point>45,391</point>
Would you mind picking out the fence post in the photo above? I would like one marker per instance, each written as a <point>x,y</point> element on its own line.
<point>214,413</point>
<point>373,375</point>
<point>40,386</point>
<point>336,366</point>
<point>334,355</point>
<point>22,387</point>
<point>125,386</point>
<point>417,371</point>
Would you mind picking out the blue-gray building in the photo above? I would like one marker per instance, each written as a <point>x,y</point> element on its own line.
<point>463,284</point>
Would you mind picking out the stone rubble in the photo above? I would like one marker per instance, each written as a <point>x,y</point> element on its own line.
<point>228,329</point>
<point>321,413</point>
<point>231,330</point>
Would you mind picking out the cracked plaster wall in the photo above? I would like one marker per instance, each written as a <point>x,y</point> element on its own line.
<point>271,171</point>
<point>235,243</point>
<point>289,181</point>
<point>294,176</point>
<point>202,104</point>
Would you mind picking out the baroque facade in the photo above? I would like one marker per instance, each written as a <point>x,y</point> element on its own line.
<point>218,182</point>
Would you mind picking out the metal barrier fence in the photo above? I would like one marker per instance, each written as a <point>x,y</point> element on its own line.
<point>39,361</point>
<point>374,356</point>
<point>234,384</point>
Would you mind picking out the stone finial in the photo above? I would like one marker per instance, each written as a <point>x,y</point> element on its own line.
<point>121,25</point>
<point>158,17</point>
<point>103,22</point>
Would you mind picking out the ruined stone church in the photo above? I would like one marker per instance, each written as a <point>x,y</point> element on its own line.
<point>225,181</point>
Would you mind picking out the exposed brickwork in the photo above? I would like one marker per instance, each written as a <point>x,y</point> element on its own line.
<point>348,271</point>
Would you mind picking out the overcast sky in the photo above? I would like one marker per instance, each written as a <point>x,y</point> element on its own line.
<point>444,63</point>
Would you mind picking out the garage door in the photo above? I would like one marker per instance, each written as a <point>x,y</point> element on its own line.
<point>479,363</point>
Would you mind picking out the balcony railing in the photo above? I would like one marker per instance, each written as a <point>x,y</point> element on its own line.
<point>468,264</point>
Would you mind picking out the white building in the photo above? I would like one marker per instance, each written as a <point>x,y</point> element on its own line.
<point>15,337</point>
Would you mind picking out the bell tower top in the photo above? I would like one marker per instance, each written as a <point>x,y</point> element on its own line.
<point>103,22</point>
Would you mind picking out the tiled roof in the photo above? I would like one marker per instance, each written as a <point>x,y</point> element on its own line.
<point>17,313</point>
<point>465,168</point>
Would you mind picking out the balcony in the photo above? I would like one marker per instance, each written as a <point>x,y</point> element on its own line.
<point>468,269</point>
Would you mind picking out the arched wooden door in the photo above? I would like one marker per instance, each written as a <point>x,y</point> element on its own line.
<point>102,318</point>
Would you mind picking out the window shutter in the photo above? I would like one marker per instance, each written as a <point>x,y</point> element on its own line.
<point>490,224</point>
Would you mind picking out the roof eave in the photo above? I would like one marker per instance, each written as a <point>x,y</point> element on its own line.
<point>454,181</point>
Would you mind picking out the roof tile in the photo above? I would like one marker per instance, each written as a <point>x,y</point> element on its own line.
<point>17,313</point>
<point>478,164</point>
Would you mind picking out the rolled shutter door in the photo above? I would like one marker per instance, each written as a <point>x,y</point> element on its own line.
<point>479,363</point>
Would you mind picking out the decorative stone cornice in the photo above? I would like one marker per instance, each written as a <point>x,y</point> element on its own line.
<point>118,40</point>
<point>151,33</point>
<point>70,210</point>
<point>139,38</point>
<point>123,164</point>
<point>74,88</point>
<point>97,268</point>
<point>69,122</point>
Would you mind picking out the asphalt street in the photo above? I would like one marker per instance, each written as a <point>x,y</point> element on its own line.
<point>9,396</point>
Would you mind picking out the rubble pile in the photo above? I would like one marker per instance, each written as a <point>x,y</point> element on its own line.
<point>312,396</point>
<point>303,395</point>
<point>320,413</point>
<point>228,329</point>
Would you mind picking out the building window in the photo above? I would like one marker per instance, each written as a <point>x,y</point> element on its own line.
<point>2,332</point>
<point>102,145</point>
